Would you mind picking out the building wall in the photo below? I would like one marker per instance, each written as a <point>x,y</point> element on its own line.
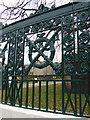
<point>44,71</point>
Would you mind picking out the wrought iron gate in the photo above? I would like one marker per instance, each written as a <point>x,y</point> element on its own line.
<point>67,27</point>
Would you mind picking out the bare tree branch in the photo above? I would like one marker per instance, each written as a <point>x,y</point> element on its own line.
<point>19,10</point>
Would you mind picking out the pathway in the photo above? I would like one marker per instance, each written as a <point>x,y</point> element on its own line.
<point>7,111</point>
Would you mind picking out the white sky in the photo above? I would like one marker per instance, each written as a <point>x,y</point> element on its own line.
<point>13,2</point>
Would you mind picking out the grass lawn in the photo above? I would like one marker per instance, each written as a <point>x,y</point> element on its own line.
<point>51,99</point>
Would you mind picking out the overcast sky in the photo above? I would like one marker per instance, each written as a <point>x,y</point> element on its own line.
<point>13,2</point>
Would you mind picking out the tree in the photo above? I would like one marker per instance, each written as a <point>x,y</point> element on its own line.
<point>13,10</point>
<point>19,9</point>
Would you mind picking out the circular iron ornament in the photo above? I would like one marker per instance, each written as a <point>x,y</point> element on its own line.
<point>69,69</point>
<point>84,37</point>
<point>68,58</point>
<point>67,19</point>
<point>68,28</point>
<point>82,25</point>
<point>83,15</point>
<point>84,56</point>
<point>83,48</point>
<point>10,72</point>
<point>50,48</point>
<point>84,68</point>
<point>68,40</point>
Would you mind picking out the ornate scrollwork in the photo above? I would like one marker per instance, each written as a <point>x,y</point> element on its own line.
<point>68,58</point>
<point>66,23</point>
<point>83,47</point>
<point>67,19</point>
<point>83,15</point>
<point>84,37</point>
<point>69,69</point>
<point>82,25</point>
<point>68,40</point>
<point>68,43</point>
<point>42,26</point>
<point>84,56</point>
<point>42,8</point>
<point>10,72</point>
<point>84,68</point>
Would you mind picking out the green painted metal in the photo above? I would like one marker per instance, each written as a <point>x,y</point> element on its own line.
<point>27,96</point>
<point>33,92</point>
<point>54,96</point>
<point>46,95</point>
<point>39,95</point>
<point>68,24</point>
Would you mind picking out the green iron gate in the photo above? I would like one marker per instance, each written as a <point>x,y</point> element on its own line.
<point>65,91</point>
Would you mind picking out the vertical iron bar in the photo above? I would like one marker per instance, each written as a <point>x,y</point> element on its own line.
<point>12,95</point>
<point>62,68</point>
<point>27,95</point>
<point>7,82</point>
<point>9,90</point>
<point>79,69</point>
<point>2,92</point>
<point>39,95</point>
<point>88,81</point>
<point>46,95</point>
<point>15,67</point>
<point>14,73</point>
<point>22,72</point>
<point>6,90</point>
<point>75,111</point>
<point>33,95</point>
<point>80,97</point>
<point>21,92</point>
<point>54,96</point>
<point>14,91</point>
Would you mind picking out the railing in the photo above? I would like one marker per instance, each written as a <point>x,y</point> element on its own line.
<point>47,95</point>
<point>68,92</point>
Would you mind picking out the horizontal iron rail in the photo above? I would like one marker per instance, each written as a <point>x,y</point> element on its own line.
<point>66,9</point>
<point>77,80</point>
<point>49,75</point>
